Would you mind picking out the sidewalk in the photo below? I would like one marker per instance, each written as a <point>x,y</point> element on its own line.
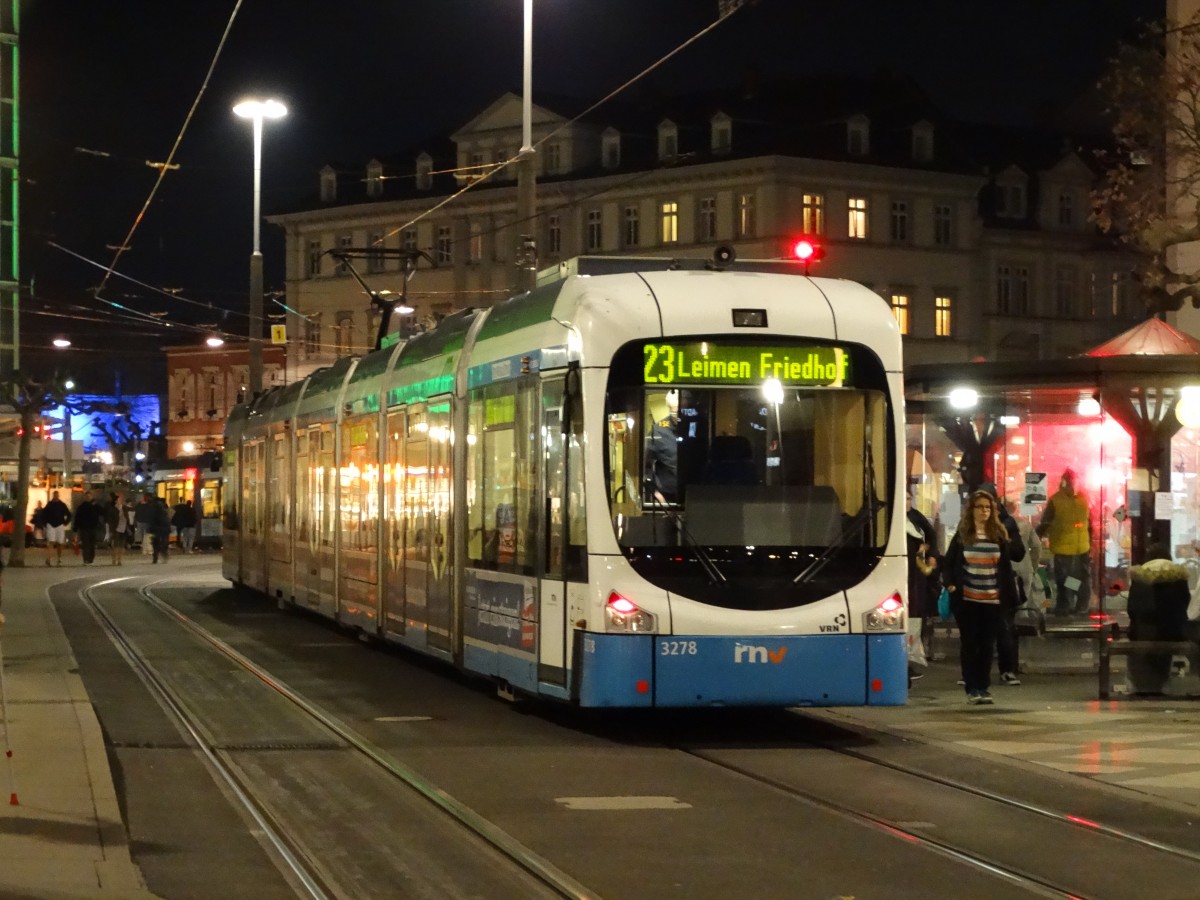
<point>63,838</point>
<point>1148,746</point>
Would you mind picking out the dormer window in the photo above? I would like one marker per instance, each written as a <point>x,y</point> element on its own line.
<point>374,178</point>
<point>858,135</point>
<point>554,160</point>
<point>424,172</point>
<point>1010,194</point>
<point>668,141</point>
<point>922,142</point>
<point>721,135</point>
<point>328,184</point>
<point>1066,209</point>
<point>610,148</point>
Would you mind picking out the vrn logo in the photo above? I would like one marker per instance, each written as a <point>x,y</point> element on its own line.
<point>750,653</point>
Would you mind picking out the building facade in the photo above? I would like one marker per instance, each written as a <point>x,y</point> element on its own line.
<point>203,385</point>
<point>978,238</point>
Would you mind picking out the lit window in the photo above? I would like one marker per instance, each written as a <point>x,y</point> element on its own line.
<point>746,223</point>
<point>943,316</point>
<point>857,212</point>
<point>813,214</point>
<point>899,305</point>
<point>670,222</point>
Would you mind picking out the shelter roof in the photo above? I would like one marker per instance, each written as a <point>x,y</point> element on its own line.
<point>1152,337</point>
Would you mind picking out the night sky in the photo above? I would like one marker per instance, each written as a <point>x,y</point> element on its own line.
<point>107,85</point>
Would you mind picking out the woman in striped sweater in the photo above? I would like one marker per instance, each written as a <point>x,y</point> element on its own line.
<point>978,573</point>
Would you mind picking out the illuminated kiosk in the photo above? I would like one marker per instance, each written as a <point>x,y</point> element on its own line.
<point>1125,416</point>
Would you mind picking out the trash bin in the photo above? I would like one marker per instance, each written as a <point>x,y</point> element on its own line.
<point>1158,602</point>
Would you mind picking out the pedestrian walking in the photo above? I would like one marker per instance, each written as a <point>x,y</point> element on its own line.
<point>977,571</point>
<point>160,528</point>
<point>88,520</point>
<point>144,520</point>
<point>56,515</point>
<point>118,525</point>
<point>184,520</point>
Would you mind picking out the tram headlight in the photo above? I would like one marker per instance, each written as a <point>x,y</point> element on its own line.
<point>622,614</point>
<point>889,615</point>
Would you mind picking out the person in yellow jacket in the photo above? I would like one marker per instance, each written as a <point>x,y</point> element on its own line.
<point>1067,526</point>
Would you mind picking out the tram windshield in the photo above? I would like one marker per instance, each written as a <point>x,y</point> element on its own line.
<point>749,475</point>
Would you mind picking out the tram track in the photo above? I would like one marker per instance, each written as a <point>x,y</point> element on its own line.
<point>302,865</point>
<point>917,830</point>
<point>1020,876</point>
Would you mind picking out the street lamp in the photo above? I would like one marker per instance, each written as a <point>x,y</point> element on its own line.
<point>256,111</point>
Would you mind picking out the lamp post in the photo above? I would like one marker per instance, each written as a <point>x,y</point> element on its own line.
<point>526,174</point>
<point>256,111</point>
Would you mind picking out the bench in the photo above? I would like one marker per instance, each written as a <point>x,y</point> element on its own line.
<point>1110,647</point>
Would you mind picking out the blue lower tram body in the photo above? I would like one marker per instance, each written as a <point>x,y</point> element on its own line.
<point>650,670</point>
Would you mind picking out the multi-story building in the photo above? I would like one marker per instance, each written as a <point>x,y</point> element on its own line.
<point>203,385</point>
<point>977,237</point>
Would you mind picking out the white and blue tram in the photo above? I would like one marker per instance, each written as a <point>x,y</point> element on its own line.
<point>647,482</point>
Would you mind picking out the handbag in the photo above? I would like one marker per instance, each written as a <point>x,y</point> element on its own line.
<point>944,604</point>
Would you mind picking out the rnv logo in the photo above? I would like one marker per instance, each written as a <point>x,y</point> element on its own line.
<point>755,654</point>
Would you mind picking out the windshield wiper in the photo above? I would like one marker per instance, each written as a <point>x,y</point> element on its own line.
<point>706,562</point>
<point>867,516</point>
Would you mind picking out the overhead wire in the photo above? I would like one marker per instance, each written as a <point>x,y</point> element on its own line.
<point>501,166</point>
<point>166,166</point>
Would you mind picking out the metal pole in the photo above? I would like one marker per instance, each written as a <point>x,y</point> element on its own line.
<point>526,251</point>
<point>256,273</point>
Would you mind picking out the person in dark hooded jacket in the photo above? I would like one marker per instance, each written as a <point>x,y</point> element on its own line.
<point>1158,604</point>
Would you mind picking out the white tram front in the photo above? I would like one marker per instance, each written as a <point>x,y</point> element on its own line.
<point>647,482</point>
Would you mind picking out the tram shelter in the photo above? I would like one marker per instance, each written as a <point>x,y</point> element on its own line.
<point>1125,416</point>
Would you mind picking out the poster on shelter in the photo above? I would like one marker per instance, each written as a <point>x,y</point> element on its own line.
<point>1035,492</point>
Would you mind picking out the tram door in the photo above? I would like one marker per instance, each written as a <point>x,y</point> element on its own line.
<point>416,500</point>
<point>437,530</point>
<point>564,548</point>
<point>392,618</point>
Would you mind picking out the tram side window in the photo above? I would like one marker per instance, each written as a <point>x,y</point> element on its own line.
<point>503,518</point>
<point>359,474</point>
<point>566,514</point>
<point>326,473</point>
<point>277,493</point>
<point>232,471</point>
<point>394,487</point>
<point>301,482</point>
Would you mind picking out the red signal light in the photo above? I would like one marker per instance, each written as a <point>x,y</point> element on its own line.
<point>189,474</point>
<point>807,250</point>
